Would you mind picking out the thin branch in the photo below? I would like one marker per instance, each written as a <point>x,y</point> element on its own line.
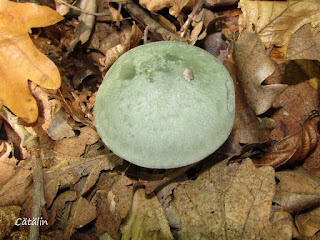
<point>141,16</point>
<point>32,144</point>
<point>82,10</point>
<point>197,8</point>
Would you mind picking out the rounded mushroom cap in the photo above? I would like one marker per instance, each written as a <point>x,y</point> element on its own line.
<point>165,105</point>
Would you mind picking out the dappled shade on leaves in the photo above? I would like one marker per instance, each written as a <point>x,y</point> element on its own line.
<point>20,60</point>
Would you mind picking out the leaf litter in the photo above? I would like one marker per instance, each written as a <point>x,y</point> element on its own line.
<point>262,184</point>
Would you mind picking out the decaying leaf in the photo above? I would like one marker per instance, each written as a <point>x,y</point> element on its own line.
<point>304,45</point>
<point>293,148</point>
<point>227,202</point>
<point>58,206</point>
<point>175,7</point>
<point>131,40</point>
<point>86,23</point>
<point>146,219</point>
<point>59,127</point>
<point>113,204</point>
<point>294,104</point>
<point>75,146</point>
<point>247,128</point>
<point>254,67</point>
<point>8,217</point>
<point>297,190</point>
<point>59,177</point>
<point>20,60</point>
<point>276,21</point>
<point>308,223</point>
<point>82,213</point>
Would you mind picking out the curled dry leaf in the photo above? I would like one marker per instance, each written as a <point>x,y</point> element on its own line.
<point>146,219</point>
<point>294,105</point>
<point>247,128</point>
<point>308,223</point>
<point>227,202</point>
<point>254,66</point>
<point>21,60</point>
<point>8,217</point>
<point>297,190</point>
<point>276,21</point>
<point>293,148</point>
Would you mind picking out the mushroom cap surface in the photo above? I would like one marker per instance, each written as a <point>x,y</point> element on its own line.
<point>150,113</point>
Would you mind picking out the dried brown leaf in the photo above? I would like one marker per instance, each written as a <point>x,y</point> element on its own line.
<point>146,219</point>
<point>75,146</point>
<point>175,7</point>
<point>8,217</point>
<point>293,148</point>
<point>294,105</point>
<point>58,206</point>
<point>131,40</point>
<point>59,127</point>
<point>254,66</point>
<point>62,177</point>
<point>247,128</point>
<point>84,29</point>
<point>113,205</point>
<point>304,45</point>
<point>308,223</point>
<point>276,21</point>
<point>82,213</point>
<point>227,202</point>
<point>297,190</point>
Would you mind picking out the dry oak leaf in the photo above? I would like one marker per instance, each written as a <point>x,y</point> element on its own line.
<point>146,219</point>
<point>253,67</point>
<point>293,148</point>
<point>297,190</point>
<point>227,202</point>
<point>276,21</point>
<point>20,60</point>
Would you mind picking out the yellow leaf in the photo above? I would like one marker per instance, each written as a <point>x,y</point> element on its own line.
<point>20,60</point>
<point>276,21</point>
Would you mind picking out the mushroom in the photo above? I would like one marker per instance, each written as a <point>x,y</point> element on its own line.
<point>165,105</point>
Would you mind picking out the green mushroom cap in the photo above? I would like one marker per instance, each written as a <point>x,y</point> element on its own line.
<point>165,105</point>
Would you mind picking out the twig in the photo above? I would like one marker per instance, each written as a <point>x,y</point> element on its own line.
<point>82,10</point>
<point>32,144</point>
<point>145,35</point>
<point>140,15</point>
<point>197,8</point>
